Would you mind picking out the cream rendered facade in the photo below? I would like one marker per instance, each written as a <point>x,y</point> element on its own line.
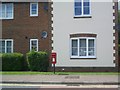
<point>100,23</point>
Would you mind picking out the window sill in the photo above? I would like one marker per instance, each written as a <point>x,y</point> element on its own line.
<point>83,58</point>
<point>33,15</point>
<point>82,16</point>
<point>6,18</point>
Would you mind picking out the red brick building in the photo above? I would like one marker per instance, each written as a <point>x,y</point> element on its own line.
<point>25,26</point>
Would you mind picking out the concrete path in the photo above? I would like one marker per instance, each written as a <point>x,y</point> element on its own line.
<point>61,79</point>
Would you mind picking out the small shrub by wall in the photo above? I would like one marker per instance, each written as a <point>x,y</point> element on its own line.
<point>12,61</point>
<point>37,61</point>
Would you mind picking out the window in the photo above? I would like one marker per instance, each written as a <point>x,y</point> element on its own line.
<point>33,9</point>
<point>83,47</point>
<point>6,11</point>
<point>82,7</point>
<point>34,44</point>
<point>6,46</point>
<point>46,6</point>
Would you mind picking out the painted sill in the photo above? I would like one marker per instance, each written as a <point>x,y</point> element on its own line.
<point>6,18</point>
<point>83,16</point>
<point>84,58</point>
<point>35,15</point>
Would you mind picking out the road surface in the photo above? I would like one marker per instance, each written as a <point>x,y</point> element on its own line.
<point>57,87</point>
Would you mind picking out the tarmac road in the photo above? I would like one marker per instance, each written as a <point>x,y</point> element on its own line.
<point>57,87</point>
<point>60,89</point>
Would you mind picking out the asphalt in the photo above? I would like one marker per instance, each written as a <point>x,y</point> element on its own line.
<point>62,79</point>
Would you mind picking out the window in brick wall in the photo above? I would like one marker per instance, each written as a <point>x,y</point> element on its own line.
<point>34,44</point>
<point>6,11</point>
<point>6,46</point>
<point>33,9</point>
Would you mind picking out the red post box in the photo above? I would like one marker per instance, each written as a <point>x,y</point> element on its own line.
<point>53,57</point>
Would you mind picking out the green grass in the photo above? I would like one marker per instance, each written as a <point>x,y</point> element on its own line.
<point>58,73</point>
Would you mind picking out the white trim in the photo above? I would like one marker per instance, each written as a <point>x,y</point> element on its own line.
<point>6,44</point>
<point>113,37</point>
<point>6,11</point>
<point>113,30</point>
<point>52,25</point>
<point>31,43</point>
<point>83,15</point>
<point>113,17</point>
<point>51,12</point>
<point>52,5</point>
<point>113,24</point>
<point>31,9</point>
<point>87,56</point>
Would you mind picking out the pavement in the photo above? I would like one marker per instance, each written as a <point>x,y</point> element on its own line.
<point>62,79</point>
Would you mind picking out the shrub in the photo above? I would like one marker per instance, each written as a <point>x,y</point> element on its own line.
<point>37,61</point>
<point>12,61</point>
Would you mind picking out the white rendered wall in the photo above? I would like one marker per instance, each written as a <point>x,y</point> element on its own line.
<point>101,24</point>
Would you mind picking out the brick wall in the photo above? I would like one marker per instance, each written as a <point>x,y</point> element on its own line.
<point>24,27</point>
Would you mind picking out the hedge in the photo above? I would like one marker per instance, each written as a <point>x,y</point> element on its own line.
<point>38,61</point>
<point>12,61</point>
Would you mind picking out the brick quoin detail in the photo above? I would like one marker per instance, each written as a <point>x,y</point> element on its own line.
<point>115,34</point>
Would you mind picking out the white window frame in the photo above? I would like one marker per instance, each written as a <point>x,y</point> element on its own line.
<point>31,43</point>
<point>6,11</point>
<point>83,15</point>
<point>6,44</point>
<point>31,9</point>
<point>78,39</point>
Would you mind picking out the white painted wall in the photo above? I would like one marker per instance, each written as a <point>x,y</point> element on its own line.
<point>101,24</point>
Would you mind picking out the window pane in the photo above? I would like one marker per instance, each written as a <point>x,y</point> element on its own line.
<point>86,10</point>
<point>3,46</point>
<point>34,6</point>
<point>82,42</point>
<point>9,7</point>
<point>78,7</point>
<point>34,11</point>
<point>86,7</point>
<point>74,51</point>
<point>8,14</point>
<point>74,47</point>
<point>74,43</point>
<point>82,49</point>
<point>0,11</point>
<point>82,52</point>
<point>86,3</point>
<point>34,45</point>
<point>46,5</point>
<point>91,47</point>
<point>78,0</point>
<point>91,52</point>
<point>34,42</point>
<point>91,43</point>
<point>8,46</point>
<point>8,10</point>
<point>9,43</point>
<point>78,4</point>
<point>8,50</point>
<point>78,11</point>
<point>3,10</point>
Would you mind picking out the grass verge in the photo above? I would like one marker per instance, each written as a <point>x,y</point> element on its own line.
<point>58,73</point>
